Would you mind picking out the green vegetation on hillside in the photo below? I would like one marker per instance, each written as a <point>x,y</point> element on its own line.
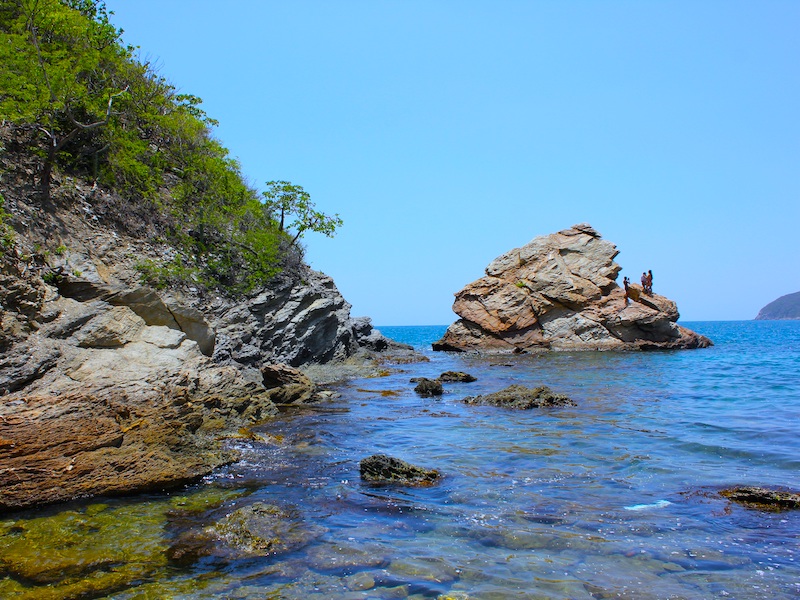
<point>90,108</point>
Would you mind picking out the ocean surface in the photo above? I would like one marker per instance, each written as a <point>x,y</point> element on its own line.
<point>616,497</point>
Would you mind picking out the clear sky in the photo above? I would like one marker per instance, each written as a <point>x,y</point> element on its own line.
<point>445,133</point>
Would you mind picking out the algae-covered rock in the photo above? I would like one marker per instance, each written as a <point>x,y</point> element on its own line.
<point>380,468</point>
<point>519,397</point>
<point>263,529</point>
<point>766,499</point>
<point>93,550</point>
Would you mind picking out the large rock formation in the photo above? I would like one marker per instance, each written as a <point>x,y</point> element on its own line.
<point>107,386</point>
<point>784,308</point>
<point>560,292</point>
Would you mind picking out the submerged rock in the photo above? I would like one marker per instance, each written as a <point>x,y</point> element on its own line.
<point>559,292</point>
<point>380,468</point>
<point>263,529</point>
<point>520,397</point>
<point>766,499</point>
<point>93,550</point>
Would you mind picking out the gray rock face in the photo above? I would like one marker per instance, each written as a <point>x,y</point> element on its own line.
<point>148,305</point>
<point>559,292</point>
<point>293,322</point>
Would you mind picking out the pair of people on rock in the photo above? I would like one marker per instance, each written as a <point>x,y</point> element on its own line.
<point>632,293</point>
<point>647,283</point>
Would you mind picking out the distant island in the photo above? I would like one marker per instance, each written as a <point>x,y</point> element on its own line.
<point>784,308</point>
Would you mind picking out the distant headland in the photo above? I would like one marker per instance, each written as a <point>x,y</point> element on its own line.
<point>784,308</point>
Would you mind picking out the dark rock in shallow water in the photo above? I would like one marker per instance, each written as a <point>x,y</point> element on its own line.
<point>429,387</point>
<point>763,498</point>
<point>457,376</point>
<point>520,397</point>
<point>380,468</point>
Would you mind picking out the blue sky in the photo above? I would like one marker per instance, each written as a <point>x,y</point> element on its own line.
<point>445,133</point>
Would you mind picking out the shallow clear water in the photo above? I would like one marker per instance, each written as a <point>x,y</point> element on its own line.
<point>615,497</point>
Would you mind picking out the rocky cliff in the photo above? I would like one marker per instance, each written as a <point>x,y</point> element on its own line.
<point>108,386</point>
<point>559,291</point>
<point>784,308</point>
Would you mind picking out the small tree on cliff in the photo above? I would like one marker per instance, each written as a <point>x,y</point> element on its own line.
<point>285,201</point>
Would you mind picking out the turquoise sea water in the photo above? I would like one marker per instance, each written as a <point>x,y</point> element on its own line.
<point>615,497</point>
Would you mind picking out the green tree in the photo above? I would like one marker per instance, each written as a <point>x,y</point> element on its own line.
<point>59,61</point>
<point>287,201</point>
<point>86,105</point>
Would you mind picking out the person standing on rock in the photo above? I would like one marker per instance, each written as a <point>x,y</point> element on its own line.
<point>650,282</point>
<point>626,282</point>
<point>644,283</point>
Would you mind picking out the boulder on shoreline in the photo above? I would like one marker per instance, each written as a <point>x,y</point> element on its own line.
<point>521,398</point>
<point>560,292</point>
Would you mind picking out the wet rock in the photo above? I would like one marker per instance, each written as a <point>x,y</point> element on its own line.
<point>287,384</point>
<point>430,570</point>
<point>263,529</point>
<point>457,376</point>
<point>360,582</point>
<point>520,397</point>
<point>428,387</point>
<point>108,548</point>
<point>343,557</point>
<point>766,499</point>
<point>380,468</point>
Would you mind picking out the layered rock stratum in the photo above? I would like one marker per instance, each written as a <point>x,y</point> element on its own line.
<point>560,292</point>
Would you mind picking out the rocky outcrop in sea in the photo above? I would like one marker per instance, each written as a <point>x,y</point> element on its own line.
<point>560,292</point>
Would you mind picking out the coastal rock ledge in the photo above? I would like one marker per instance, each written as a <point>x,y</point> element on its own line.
<point>560,292</point>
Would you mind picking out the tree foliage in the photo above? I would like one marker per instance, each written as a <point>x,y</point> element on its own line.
<point>288,201</point>
<point>101,113</point>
